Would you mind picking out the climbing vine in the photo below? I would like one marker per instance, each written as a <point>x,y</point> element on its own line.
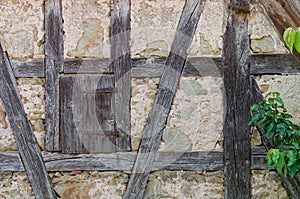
<point>271,115</point>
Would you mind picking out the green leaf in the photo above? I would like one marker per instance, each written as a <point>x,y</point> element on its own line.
<point>296,145</point>
<point>274,94</point>
<point>286,115</point>
<point>292,157</point>
<point>272,158</point>
<point>289,132</point>
<point>289,38</point>
<point>280,128</point>
<point>293,171</point>
<point>262,121</point>
<point>297,40</point>
<point>255,117</point>
<point>271,100</point>
<point>270,134</point>
<point>267,107</point>
<point>273,155</point>
<point>292,40</point>
<point>286,35</point>
<point>281,162</point>
<point>270,127</point>
<point>298,132</point>
<point>279,100</point>
<point>254,107</point>
<point>270,113</point>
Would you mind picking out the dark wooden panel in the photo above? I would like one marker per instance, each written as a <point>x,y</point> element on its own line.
<point>87,119</point>
<point>167,87</point>
<point>29,151</point>
<point>123,161</point>
<point>53,65</point>
<point>236,76</point>
<point>121,66</point>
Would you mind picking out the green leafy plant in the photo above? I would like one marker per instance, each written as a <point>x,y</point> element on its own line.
<point>291,37</point>
<point>271,115</point>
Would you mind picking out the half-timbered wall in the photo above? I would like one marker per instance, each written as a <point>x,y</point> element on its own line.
<point>196,118</point>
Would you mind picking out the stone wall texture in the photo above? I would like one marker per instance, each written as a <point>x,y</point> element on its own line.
<point>196,118</point>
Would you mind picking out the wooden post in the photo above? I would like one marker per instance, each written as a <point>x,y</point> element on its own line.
<point>54,65</point>
<point>236,74</point>
<point>162,103</point>
<point>28,148</point>
<point>121,66</point>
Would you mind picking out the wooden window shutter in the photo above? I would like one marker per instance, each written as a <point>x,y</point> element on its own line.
<point>87,117</point>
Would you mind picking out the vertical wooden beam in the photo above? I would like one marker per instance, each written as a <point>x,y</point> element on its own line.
<point>121,66</point>
<point>236,75</point>
<point>152,133</point>
<point>28,148</point>
<point>54,64</point>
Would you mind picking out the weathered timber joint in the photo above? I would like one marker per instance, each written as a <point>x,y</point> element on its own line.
<point>123,60</point>
<point>241,6</point>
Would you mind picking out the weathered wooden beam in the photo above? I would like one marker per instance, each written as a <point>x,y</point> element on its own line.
<point>28,68</point>
<point>121,67</point>
<point>143,67</point>
<point>53,65</point>
<point>278,64</point>
<point>86,65</point>
<point>236,76</point>
<point>292,185</point>
<point>28,148</point>
<point>153,130</point>
<point>123,161</point>
<point>283,14</point>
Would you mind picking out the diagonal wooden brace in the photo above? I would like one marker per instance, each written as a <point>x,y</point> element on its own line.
<point>167,87</point>
<point>29,151</point>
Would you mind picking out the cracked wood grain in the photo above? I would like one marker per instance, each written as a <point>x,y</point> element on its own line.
<point>152,132</point>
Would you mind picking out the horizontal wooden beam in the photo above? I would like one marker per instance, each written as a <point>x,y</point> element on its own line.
<point>123,161</point>
<point>153,67</point>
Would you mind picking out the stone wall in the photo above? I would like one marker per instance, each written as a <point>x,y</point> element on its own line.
<point>195,121</point>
